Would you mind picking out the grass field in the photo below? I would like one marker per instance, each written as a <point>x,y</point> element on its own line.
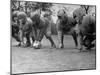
<point>28,60</point>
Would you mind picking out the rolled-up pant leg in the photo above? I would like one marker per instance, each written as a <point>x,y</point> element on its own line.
<point>60,38</point>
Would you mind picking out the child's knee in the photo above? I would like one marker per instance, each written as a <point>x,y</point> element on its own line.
<point>48,34</point>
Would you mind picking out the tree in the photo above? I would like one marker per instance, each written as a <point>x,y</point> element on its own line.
<point>86,8</point>
<point>15,5</point>
<point>31,6</point>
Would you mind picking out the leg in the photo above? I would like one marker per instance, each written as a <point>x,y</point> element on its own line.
<point>39,38</point>
<point>80,41</point>
<point>40,35</point>
<point>32,38</point>
<point>21,33</point>
<point>88,42</point>
<point>21,37</point>
<point>16,37</point>
<point>34,33</point>
<point>60,34</point>
<point>28,43</point>
<point>74,35</point>
<point>48,36</point>
<point>60,37</point>
<point>15,31</point>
